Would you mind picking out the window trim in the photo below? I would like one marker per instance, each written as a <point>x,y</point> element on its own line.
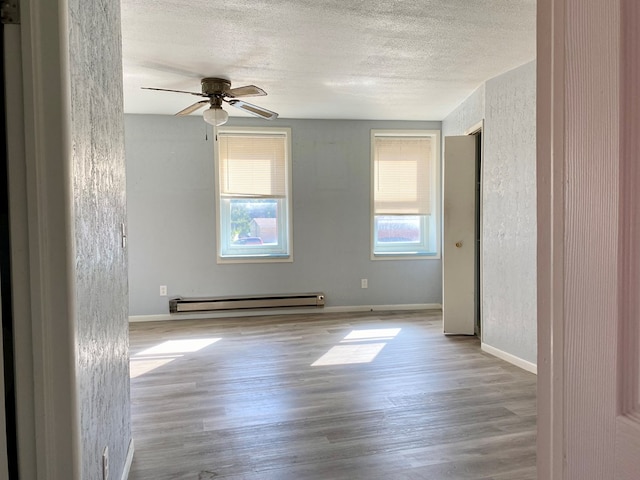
<point>436,135</point>
<point>260,257</point>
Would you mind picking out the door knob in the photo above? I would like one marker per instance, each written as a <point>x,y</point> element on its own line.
<point>459,244</point>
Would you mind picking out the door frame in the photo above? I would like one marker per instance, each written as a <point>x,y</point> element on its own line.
<point>8,432</point>
<point>476,129</point>
<point>42,224</point>
<point>550,140</point>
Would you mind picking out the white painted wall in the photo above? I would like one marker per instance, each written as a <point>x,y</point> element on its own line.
<point>100,266</point>
<point>466,115</point>
<point>507,104</point>
<point>172,221</point>
<point>509,302</point>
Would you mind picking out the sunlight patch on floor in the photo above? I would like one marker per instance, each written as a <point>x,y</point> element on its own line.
<point>348,354</point>
<point>373,334</point>
<point>359,346</point>
<point>151,358</point>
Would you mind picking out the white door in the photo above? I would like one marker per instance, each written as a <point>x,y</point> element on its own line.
<point>458,246</point>
<point>588,240</point>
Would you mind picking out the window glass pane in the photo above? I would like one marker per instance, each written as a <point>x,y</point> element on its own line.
<point>398,229</point>
<point>253,222</point>
<point>253,228</point>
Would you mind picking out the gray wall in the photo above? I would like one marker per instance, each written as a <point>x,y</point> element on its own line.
<point>98,188</point>
<point>170,189</point>
<point>509,207</point>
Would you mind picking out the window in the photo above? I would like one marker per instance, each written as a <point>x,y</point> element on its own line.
<point>253,194</point>
<point>405,193</point>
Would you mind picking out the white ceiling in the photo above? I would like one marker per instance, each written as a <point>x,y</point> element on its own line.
<point>348,59</point>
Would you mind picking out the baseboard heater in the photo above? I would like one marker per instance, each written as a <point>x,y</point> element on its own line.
<point>213,304</point>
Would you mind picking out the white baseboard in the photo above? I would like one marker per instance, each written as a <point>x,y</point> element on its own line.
<point>287,311</point>
<point>507,357</point>
<point>128,461</point>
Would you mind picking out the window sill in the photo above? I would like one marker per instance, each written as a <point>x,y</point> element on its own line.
<point>405,256</point>
<point>267,258</point>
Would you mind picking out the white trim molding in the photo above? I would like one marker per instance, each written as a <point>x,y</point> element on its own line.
<point>47,119</point>
<point>128,461</point>
<point>550,181</point>
<point>512,359</point>
<point>475,128</point>
<point>290,311</point>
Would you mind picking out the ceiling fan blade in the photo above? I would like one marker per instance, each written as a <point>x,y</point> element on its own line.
<point>192,108</point>
<point>253,109</point>
<point>177,91</point>
<point>246,91</point>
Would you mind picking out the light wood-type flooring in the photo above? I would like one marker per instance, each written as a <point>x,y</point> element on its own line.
<point>326,397</point>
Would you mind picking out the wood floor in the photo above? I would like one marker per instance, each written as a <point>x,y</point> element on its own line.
<point>326,397</point>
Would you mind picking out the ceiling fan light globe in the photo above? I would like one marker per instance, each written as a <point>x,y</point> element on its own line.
<point>215,116</point>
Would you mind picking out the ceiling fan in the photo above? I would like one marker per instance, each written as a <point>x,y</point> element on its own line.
<point>218,90</point>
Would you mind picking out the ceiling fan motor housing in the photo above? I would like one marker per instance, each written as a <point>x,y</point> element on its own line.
<point>215,86</point>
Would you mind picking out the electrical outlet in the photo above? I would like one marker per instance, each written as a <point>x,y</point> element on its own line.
<point>105,463</point>
<point>364,283</point>
<point>163,290</point>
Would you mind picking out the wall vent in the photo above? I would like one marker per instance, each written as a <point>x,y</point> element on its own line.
<point>214,304</point>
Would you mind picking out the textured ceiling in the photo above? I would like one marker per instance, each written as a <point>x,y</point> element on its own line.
<point>349,59</point>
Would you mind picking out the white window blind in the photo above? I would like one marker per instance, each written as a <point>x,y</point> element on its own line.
<point>253,165</point>
<point>402,183</point>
